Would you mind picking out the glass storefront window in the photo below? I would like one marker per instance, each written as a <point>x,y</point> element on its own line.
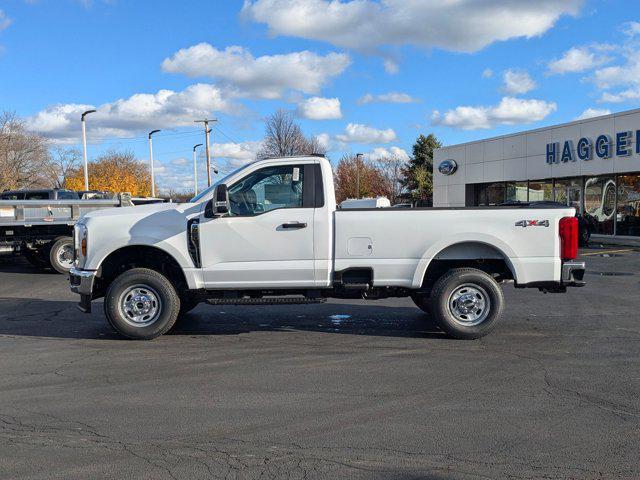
<point>599,203</point>
<point>480,195</point>
<point>517,192</point>
<point>540,190</point>
<point>569,192</point>
<point>495,193</point>
<point>628,211</point>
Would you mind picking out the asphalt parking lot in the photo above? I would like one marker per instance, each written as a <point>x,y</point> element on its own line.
<point>346,389</point>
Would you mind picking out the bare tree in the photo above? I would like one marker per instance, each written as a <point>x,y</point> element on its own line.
<point>62,163</point>
<point>392,169</point>
<point>284,137</point>
<point>24,157</point>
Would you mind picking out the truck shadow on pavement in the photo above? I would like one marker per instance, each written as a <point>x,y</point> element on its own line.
<point>28,317</point>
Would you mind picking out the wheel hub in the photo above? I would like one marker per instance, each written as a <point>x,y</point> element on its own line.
<point>469,304</point>
<point>140,305</point>
<point>65,255</point>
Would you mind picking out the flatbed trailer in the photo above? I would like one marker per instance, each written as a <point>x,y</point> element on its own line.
<point>42,230</point>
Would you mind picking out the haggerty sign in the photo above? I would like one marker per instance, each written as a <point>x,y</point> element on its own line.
<point>585,149</point>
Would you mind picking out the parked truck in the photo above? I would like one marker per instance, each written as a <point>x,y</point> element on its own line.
<point>269,233</point>
<point>38,224</point>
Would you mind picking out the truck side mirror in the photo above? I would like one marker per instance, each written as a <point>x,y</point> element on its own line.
<point>221,200</point>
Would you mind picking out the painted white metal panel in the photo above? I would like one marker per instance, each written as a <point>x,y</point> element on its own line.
<point>474,173</point>
<point>494,171</point>
<point>405,241</point>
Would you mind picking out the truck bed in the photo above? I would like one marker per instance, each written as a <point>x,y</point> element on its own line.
<point>398,244</point>
<point>15,213</point>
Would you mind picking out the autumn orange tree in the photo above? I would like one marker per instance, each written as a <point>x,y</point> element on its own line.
<point>113,172</point>
<point>372,180</point>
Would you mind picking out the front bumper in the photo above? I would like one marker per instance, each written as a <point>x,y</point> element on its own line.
<point>573,273</point>
<point>81,282</point>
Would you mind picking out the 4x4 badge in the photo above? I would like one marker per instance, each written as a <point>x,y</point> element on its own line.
<point>532,223</point>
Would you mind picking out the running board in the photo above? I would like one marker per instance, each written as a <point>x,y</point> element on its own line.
<point>265,301</point>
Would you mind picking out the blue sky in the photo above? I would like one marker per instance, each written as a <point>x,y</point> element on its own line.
<point>364,76</point>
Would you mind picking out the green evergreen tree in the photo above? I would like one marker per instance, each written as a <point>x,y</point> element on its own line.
<point>418,175</point>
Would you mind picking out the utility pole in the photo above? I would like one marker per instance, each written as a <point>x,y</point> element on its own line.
<point>195,167</point>
<point>84,149</point>
<point>207,131</point>
<point>153,181</point>
<point>358,160</point>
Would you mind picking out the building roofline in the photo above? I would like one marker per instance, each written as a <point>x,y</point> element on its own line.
<point>542,129</point>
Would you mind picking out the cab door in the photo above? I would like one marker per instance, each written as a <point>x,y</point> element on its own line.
<point>266,240</point>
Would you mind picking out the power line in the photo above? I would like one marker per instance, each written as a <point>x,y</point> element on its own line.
<point>232,140</point>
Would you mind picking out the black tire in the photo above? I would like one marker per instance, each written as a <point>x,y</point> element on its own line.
<point>61,254</point>
<point>147,285</point>
<point>585,236</point>
<point>423,302</point>
<point>480,305</point>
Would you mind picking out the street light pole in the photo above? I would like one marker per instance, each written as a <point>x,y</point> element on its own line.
<point>153,181</point>
<point>358,160</point>
<point>195,167</point>
<point>84,148</point>
<point>207,131</point>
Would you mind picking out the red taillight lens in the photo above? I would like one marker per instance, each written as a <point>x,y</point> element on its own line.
<point>568,238</point>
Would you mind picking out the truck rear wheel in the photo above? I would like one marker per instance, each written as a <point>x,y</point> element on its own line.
<point>61,254</point>
<point>467,303</point>
<point>141,304</point>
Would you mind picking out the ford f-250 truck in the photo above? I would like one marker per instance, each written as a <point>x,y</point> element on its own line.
<point>270,233</point>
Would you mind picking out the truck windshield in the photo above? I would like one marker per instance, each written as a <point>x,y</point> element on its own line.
<point>207,192</point>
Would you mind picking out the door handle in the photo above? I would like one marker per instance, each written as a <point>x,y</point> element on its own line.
<point>293,225</point>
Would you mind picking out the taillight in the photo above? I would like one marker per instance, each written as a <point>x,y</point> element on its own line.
<point>568,238</point>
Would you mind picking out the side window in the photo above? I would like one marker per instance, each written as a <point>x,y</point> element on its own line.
<point>267,189</point>
<point>67,195</point>
<point>37,196</point>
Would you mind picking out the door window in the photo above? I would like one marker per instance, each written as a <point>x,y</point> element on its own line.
<point>267,189</point>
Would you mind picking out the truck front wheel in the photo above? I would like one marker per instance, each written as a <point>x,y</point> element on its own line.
<point>141,304</point>
<point>467,303</point>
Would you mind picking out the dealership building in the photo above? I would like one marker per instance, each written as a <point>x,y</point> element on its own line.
<point>592,165</point>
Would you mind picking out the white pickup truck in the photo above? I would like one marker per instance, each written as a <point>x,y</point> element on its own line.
<point>269,233</point>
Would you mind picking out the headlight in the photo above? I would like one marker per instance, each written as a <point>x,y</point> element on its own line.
<point>80,244</point>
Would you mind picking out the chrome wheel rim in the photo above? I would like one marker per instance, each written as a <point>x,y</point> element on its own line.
<point>140,305</point>
<point>64,255</point>
<point>469,304</point>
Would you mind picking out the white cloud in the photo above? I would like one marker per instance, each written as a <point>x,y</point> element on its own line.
<point>593,112</point>
<point>509,111</point>
<point>237,154</point>
<point>369,26</point>
<point>318,108</point>
<point>325,141</point>
<point>517,82</point>
<point>577,59</point>
<point>358,133</point>
<point>620,97</point>
<point>627,73</point>
<point>391,152</point>
<point>391,66</point>
<point>487,73</point>
<point>391,97</point>
<point>140,112</point>
<point>4,20</point>
<point>268,76</point>
<point>631,29</point>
